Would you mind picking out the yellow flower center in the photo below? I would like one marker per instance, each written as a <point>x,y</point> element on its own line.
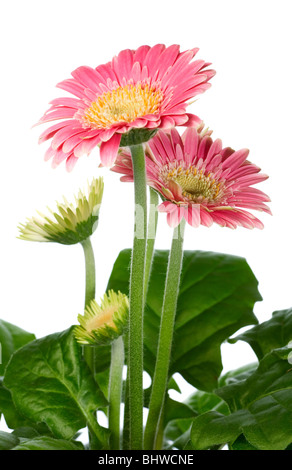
<point>124,104</point>
<point>195,185</point>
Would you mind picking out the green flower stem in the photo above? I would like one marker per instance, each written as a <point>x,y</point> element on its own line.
<point>152,228</point>
<point>88,351</point>
<point>89,292</point>
<point>126,424</point>
<point>115,392</point>
<point>161,372</point>
<point>89,271</point>
<point>136,301</point>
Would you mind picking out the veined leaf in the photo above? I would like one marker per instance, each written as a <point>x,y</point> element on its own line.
<point>11,338</point>
<point>50,382</point>
<point>260,405</point>
<point>9,441</point>
<point>271,334</point>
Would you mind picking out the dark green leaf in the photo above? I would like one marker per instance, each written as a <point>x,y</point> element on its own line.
<point>261,409</point>
<point>47,443</point>
<point>12,417</point>
<point>7,440</point>
<point>50,382</point>
<point>273,374</point>
<point>271,334</point>
<point>242,444</point>
<point>216,299</point>
<point>201,402</point>
<point>233,376</point>
<point>179,416</point>
<point>11,338</point>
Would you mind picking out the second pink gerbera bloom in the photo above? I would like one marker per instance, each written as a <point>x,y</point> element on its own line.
<point>200,180</point>
<point>147,88</point>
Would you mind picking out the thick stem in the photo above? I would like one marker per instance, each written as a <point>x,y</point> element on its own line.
<point>161,372</point>
<point>151,235</point>
<point>115,392</point>
<point>136,301</point>
<point>89,292</point>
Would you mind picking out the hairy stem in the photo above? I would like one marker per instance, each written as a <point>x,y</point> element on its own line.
<point>89,291</point>
<point>161,372</point>
<point>115,392</point>
<point>136,301</point>
<point>151,234</point>
<point>88,351</point>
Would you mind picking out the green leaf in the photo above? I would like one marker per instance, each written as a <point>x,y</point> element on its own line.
<point>242,444</point>
<point>9,441</point>
<point>47,443</point>
<point>179,416</point>
<point>233,376</point>
<point>50,382</point>
<point>216,299</point>
<point>260,405</point>
<point>12,417</point>
<point>11,338</point>
<point>273,374</point>
<point>271,334</point>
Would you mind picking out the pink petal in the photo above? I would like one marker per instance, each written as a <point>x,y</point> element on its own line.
<point>49,154</point>
<point>71,162</point>
<point>136,72</point>
<point>174,217</point>
<point>73,87</point>
<point>58,113</point>
<point>206,218</point>
<point>59,157</point>
<point>63,134</point>
<point>193,120</point>
<point>236,159</point>
<point>167,59</point>
<point>50,132</point>
<point>109,150</point>
<point>68,102</point>
<point>123,64</point>
<point>166,206</point>
<point>175,190</point>
<point>140,54</point>
<point>86,146</point>
<point>73,141</point>
<point>191,140</point>
<point>88,77</point>
<point>215,148</point>
<point>204,147</point>
<point>105,71</point>
<point>193,215</point>
<point>152,59</point>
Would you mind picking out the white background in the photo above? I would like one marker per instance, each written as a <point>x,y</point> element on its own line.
<point>248,105</point>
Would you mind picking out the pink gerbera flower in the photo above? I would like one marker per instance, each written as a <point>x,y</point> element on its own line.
<point>199,180</point>
<point>143,89</point>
